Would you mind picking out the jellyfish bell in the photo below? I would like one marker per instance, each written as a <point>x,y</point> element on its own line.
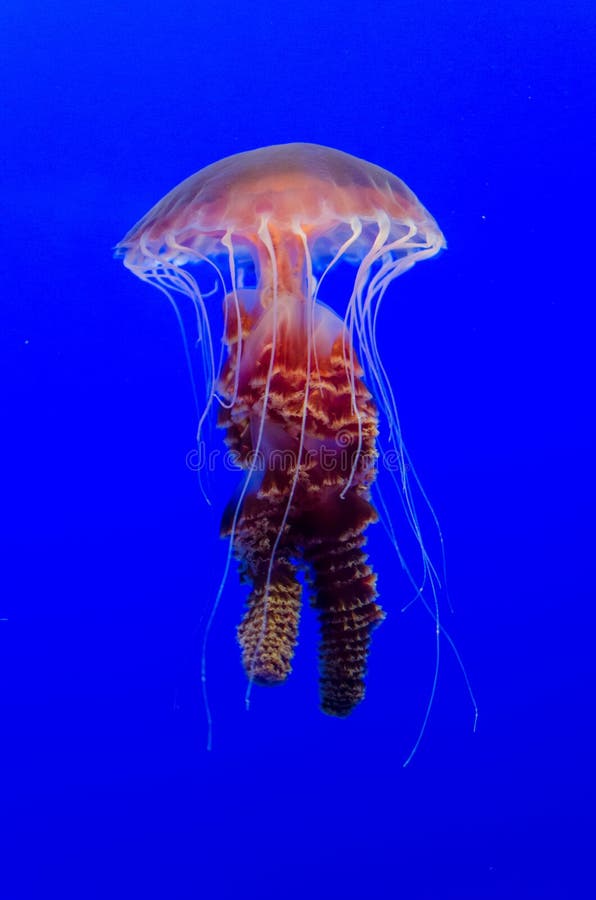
<point>294,197</point>
<point>298,380</point>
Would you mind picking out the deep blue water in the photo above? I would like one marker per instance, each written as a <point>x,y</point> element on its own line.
<point>111,556</point>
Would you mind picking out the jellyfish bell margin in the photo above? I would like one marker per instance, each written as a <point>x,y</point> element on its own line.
<point>299,387</point>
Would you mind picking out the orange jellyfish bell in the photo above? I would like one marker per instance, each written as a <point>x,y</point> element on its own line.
<point>300,385</point>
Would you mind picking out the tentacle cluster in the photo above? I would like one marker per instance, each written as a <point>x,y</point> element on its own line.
<point>296,512</point>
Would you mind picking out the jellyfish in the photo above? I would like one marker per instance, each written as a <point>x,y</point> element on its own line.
<point>298,381</point>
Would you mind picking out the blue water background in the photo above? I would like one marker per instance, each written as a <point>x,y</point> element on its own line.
<point>110,555</point>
